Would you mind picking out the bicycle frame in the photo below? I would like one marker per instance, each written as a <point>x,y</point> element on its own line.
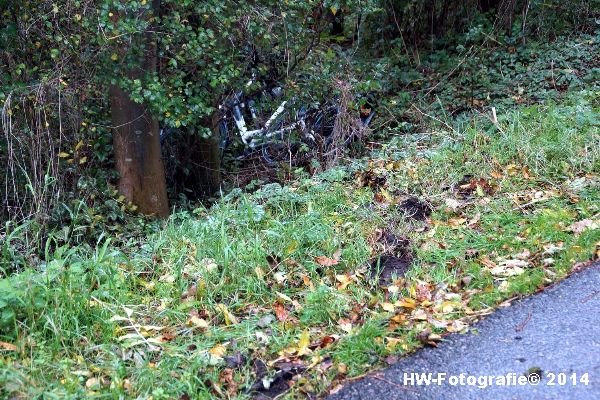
<point>248,136</point>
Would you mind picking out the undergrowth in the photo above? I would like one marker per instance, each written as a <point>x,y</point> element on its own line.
<point>275,288</point>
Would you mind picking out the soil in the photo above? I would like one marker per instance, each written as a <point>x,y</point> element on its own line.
<point>394,262</point>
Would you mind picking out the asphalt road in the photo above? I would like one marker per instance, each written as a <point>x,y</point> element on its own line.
<point>554,332</point>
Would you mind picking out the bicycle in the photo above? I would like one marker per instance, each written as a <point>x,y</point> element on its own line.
<point>244,116</point>
<point>272,134</point>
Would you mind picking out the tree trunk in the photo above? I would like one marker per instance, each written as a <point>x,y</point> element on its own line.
<point>137,154</point>
<point>136,139</point>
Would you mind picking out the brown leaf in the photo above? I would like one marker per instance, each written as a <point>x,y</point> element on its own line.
<point>487,262</point>
<point>423,292</point>
<point>280,312</point>
<point>8,346</point>
<point>423,336</point>
<point>326,261</point>
<point>326,341</point>
<point>226,379</point>
<point>391,359</point>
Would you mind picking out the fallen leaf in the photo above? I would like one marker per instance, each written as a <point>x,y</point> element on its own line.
<point>455,222</point>
<point>420,315</point>
<point>326,341</point>
<point>226,379</point>
<point>262,337</point>
<point>208,264</point>
<point>423,292</point>
<point>303,344</point>
<point>509,268</point>
<point>326,261</point>
<point>511,169</point>
<point>393,289</point>
<point>198,322</point>
<point>345,325</point>
<point>487,262</point>
<point>8,346</point>
<point>336,389</point>
<point>280,312</point>
<point>279,277</point>
<point>581,226</point>
<point>406,303</point>
<point>473,221</point>
<point>456,326</point>
<point>92,383</point>
<point>344,280</point>
<point>391,343</point>
<point>452,204</point>
<point>218,351</point>
<point>230,319</point>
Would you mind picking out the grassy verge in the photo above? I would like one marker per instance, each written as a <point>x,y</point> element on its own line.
<point>277,290</point>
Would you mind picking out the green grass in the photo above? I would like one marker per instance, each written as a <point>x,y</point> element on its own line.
<point>116,321</point>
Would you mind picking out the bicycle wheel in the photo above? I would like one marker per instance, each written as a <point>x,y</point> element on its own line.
<point>278,153</point>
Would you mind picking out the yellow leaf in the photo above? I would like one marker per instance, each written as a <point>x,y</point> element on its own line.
<point>448,306</point>
<point>406,303</point>
<point>392,343</point>
<point>303,344</point>
<point>83,160</point>
<point>389,307</point>
<point>511,169</point>
<point>292,247</point>
<point>79,144</point>
<point>218,351</point>
<point>344,281</point>
<point>456,221</point>
<point>230,319</point>
<point>62,154</point>
<point>114,57</point>
<point>198,322</point>
<point>386,195</point>
<point>333,10</point>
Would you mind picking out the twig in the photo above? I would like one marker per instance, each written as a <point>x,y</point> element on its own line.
<point>589,297</point>
<point>523,324</point>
